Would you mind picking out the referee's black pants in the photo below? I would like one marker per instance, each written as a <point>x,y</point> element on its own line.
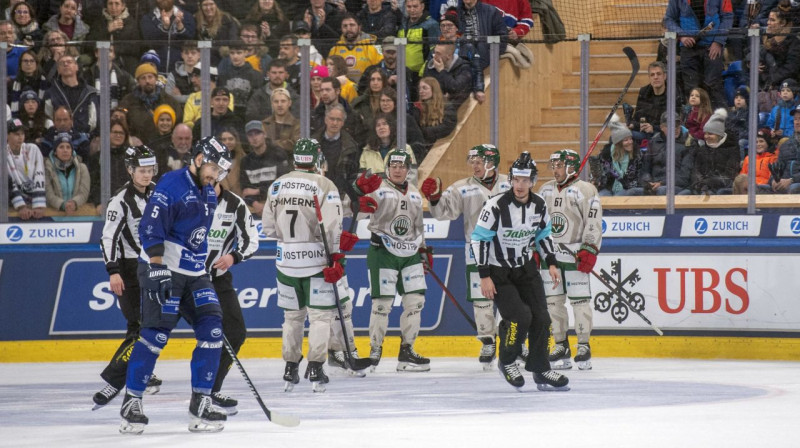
<point>521,302</point>
<point>232,324</point>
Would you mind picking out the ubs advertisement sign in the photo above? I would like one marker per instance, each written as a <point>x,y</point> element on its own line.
<point>85,304</point>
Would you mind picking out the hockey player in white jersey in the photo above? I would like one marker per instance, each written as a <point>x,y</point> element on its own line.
<point>467,196</point>
<point>577,217</point>
<point>305,279</point>
<point>232,238</point>
<point>394,259</point>
<point>120,245</point>
<point>509,227</point>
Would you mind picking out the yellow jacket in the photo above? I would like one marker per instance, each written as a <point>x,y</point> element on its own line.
<point>358,57</point>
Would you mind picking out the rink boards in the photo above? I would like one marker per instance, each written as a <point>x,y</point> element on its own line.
<point>717,285</point>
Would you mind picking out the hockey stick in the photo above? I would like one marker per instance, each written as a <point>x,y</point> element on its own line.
<point>274,417</point>
<point>449,295</point>
<point>634,71</point>
<point>348,354</point>
<point>618,293</point>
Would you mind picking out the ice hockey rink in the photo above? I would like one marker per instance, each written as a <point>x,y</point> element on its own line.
<point>620,403</point>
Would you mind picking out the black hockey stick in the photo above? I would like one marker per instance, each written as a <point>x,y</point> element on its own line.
<point>274,417</point>
<point>348,354</point>
<point>634,71</point>
<point>618,294</point>
<point>449,295</point>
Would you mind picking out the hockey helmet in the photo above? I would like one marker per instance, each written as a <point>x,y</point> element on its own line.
<point>141,155</point>
<point>524,166</point>
<point>214,151</point>
<point>307,153</point>
<point>490,155</point>
<point>570,158</point>
<point>397,155</point>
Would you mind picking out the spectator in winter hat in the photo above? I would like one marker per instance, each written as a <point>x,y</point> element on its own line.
<point>622,163</point>
<point>716,161</point>
<point>765,155</point>
<point>738,118</point>
<point>67,178</point>
<point>27,193</point>
<point>143,101</point>
<point>317,74</point>
<point>780,118</point>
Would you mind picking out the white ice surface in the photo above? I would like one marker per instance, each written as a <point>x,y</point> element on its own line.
<point>621,403</point>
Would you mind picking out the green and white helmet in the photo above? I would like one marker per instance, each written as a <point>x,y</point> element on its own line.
<point>307,154</point>
<point>490,155</point>
<point>570,158</point>
<point>397,155</point>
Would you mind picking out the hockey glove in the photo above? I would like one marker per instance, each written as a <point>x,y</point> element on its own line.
<point>157,283</point>
<point>426,254</point>
<point>432,189</point>
<point>347,241</point>
<point>334,273</point>
<point>586,258</point>
<point>367,204</point>
<point>367,183</point>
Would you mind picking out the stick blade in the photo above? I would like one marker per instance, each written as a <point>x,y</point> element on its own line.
<point>633,58</point>
<point>284,419</point>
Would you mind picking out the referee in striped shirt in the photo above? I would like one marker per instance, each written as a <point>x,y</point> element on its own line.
<point>504,241</point>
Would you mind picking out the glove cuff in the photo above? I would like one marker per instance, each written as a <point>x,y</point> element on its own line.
<point>591,248</point>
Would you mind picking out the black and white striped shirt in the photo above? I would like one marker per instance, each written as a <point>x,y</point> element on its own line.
<point>233,231</point>
<point>120,240</point>
<point>507,232</point>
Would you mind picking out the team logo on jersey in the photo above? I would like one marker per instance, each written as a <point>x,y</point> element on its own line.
<point>401,225</point>
<point>559,224</point>
<point>197,237</point>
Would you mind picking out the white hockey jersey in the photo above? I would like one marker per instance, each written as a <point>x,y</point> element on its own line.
<point>398,219</point>
<point>290,216</point>
<point>576,215</point>
<point>467,196</point>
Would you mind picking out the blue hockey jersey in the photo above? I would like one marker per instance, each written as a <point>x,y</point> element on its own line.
<point>175,223</point>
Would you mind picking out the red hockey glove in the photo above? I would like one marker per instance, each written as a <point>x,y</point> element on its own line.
<point>334,273</point>
<point>366,184</point>
<point>367,204</point>
<point>432,189</point>
<point>347,241</point>
<point>426,253</point>
<point>586,258</point>
<point>537,259</point>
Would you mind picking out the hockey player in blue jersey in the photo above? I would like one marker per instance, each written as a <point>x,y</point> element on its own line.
<point>174,283</point>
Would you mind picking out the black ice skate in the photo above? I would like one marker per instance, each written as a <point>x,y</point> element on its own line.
<point>560,356</point>
<point>375,357</point>
<point>291,375</point>
<point>551,380</point>
<point>133,418</point>
<point>153,385</point>
<point>584,356</point>
<point>488,351</point>
<point>410,361</point>
<point>316,374</point>
<point>511,374</point>
<point>104,396</point>
<point>224,402</point>
<point>205,417</point>
<point>338,360</point>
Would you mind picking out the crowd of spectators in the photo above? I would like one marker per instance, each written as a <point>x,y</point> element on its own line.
<point>53,84</point>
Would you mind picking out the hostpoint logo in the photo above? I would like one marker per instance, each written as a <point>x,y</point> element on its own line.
<point>794,226</point>
<point>604,226</point>
<point>700,226</point>
<point>14,233</point>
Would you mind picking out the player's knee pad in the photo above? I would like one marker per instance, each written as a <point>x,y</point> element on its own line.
<point>583,319</point>
<point>381,307</point>
<point>483,310</point>
<point>295,316</point>
<point>413,303</point>
<point>208,331</point>
<point>155,339</point>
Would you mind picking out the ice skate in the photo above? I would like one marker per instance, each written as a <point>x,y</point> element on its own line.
<point>410,361</point>
<point>338,360</point>
<point>291,375</point>
<point>133,418</point>
<point>316,374</point>
<point>488,352</point>
<point>584,357</point>
<point>205,417</point>
<point>225,403</point>
<point>560,356</point>
<point>551,380</point>
<point>511,374</point>
<point>153,385</point>
<point>104,396</point>
<point>375,357</point>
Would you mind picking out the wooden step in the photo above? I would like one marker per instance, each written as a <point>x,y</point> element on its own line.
<point>571,114</point>
<point>562,132</point>
<point>597,97</point>
<point>611,78</point>
<point>608,62</point>
<point>615,46</point>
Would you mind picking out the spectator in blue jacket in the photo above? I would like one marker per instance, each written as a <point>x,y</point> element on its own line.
<point>169,23</point>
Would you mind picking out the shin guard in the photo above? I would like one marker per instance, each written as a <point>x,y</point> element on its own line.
<point>411,318</point>
<point>205,357</point>
<point>143,358</point>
